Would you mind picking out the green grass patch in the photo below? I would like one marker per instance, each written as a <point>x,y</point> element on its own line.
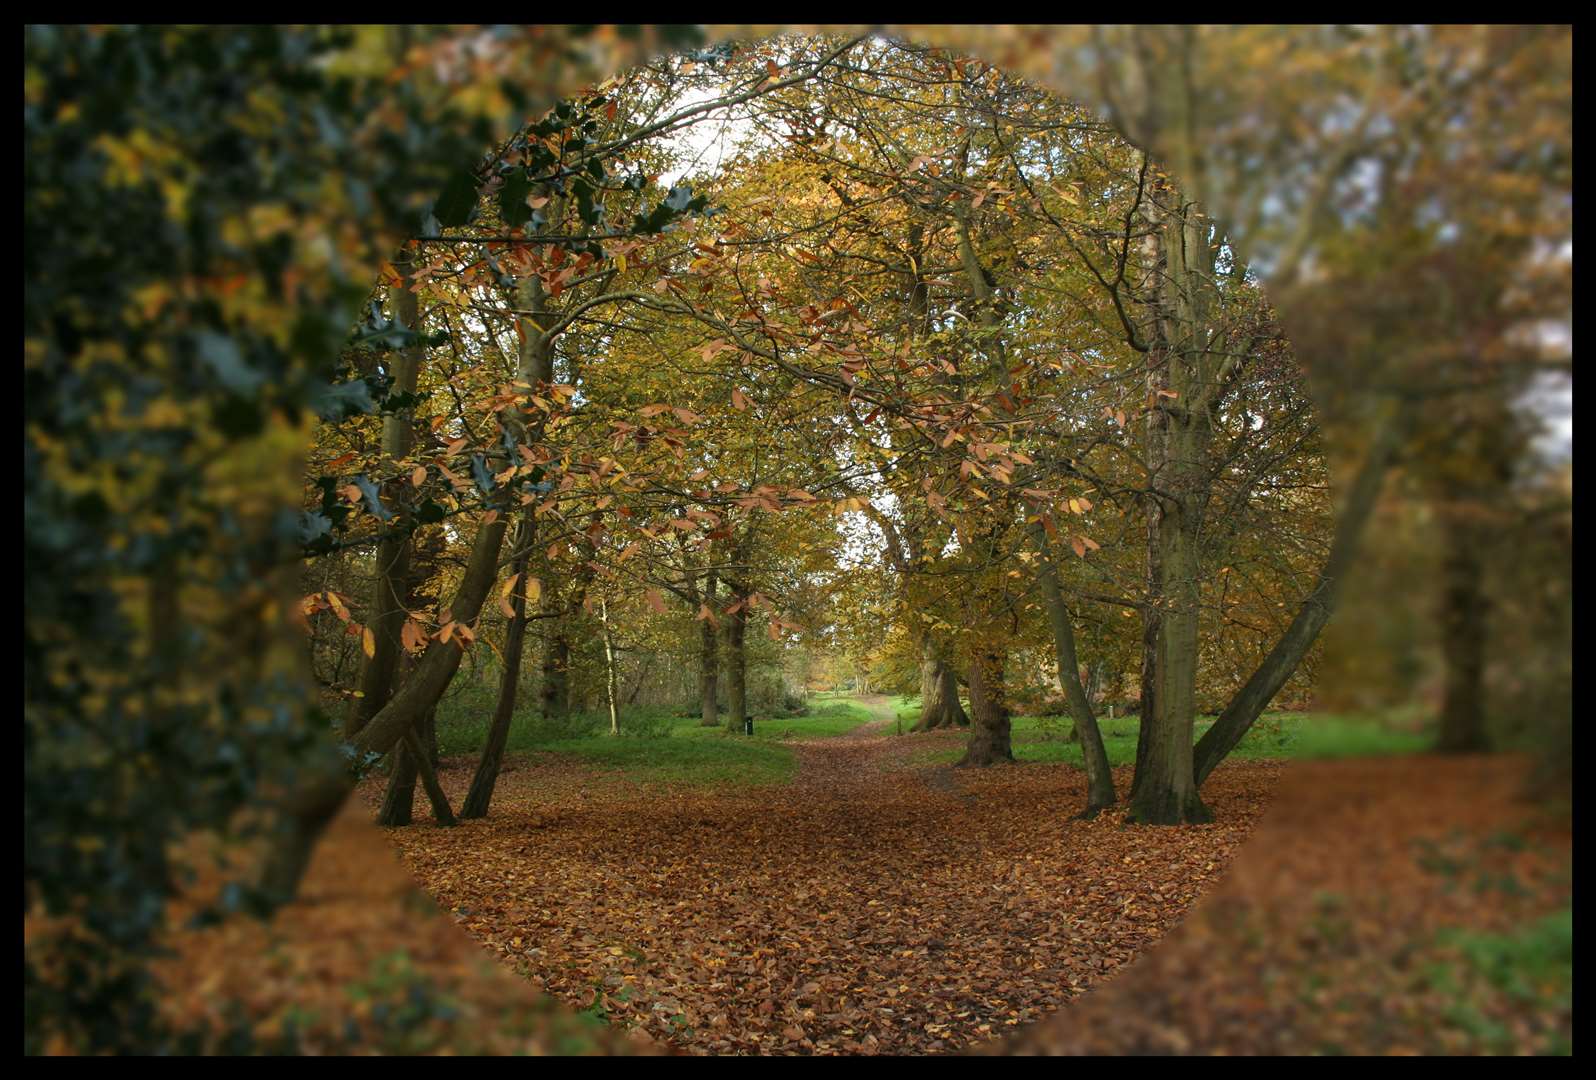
<point>1275,736</point>
<point>712,760</point>
<point>1531,969</point>
<point>656,745</point>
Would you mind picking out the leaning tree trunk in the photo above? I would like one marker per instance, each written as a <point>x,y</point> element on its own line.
<point>1099,779</point>
<point>309,809</point>
<point>486,777</point>
<point>989,714</point>
<point>1314,612</point>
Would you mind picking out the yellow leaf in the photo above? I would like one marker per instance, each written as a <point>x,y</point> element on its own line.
<point>368,643</point>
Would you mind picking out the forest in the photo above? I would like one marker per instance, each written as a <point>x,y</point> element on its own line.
<point>810,544</point>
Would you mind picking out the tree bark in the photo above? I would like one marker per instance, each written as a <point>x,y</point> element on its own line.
<point>486,777</point>
<point>1099,779</point>
<point>556,690</point>
<point>388,614</point>
<point>939,691</point>
<point>1275,668</point>
<point>989,714</point>
<point>736,666</point>
<point>1464,616</point>
<point>610,691</point>
<point>398,800</point>
<point>709,660</point>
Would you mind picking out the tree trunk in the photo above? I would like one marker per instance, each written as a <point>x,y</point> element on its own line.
<point>417,752</point>
<point>1166,787</point>
<point>556,691</point>
<point>1275,668</point>
<point>709,661</point>
<point>736,668</point>
<point>486,777</point>
<point>387,617</point>
<point>939,692</point>
<point>398,800</point>
<point>1464,614</point>
<point>1099,779</point>
<point>610,691</point>
<point>989,714</point>
<point>323,794</point>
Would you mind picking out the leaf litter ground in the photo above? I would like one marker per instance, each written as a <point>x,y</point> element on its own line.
<point>870,906</point>
<point>877,906</point>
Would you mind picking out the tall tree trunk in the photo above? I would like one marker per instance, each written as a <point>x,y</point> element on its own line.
<point>989,714</point>
<point>610,678</point>
<point>1314,612</point>
<point>1166,788</point>
<point>1099,779</point>
<point>556,691</point>
<point>486,777</point>
<point>392,582</point>
<point>736,665</point>
<point>1164,791</point>
<point>1463,619</point>
<point>709,660</point>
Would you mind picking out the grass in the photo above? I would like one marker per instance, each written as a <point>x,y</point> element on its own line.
<point>1531,968</point>
<point>1293,735</point>
<point>656,746</point>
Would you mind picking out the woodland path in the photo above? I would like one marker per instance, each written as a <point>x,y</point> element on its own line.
<point>856,909</point>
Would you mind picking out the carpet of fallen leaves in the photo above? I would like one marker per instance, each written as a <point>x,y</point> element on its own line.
<point>878,906</point>
<point>1326,934</point>
<point>361,963</point>
<point>871,906</point>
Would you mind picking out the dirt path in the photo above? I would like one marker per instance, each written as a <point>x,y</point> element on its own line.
<point>856,909</point>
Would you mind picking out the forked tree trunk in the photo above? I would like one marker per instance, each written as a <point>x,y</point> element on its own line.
<point>399,798</point>
<point>309,809</point>
<point>989,714</point>
<point>441,811</point>
<point>486,777</point>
